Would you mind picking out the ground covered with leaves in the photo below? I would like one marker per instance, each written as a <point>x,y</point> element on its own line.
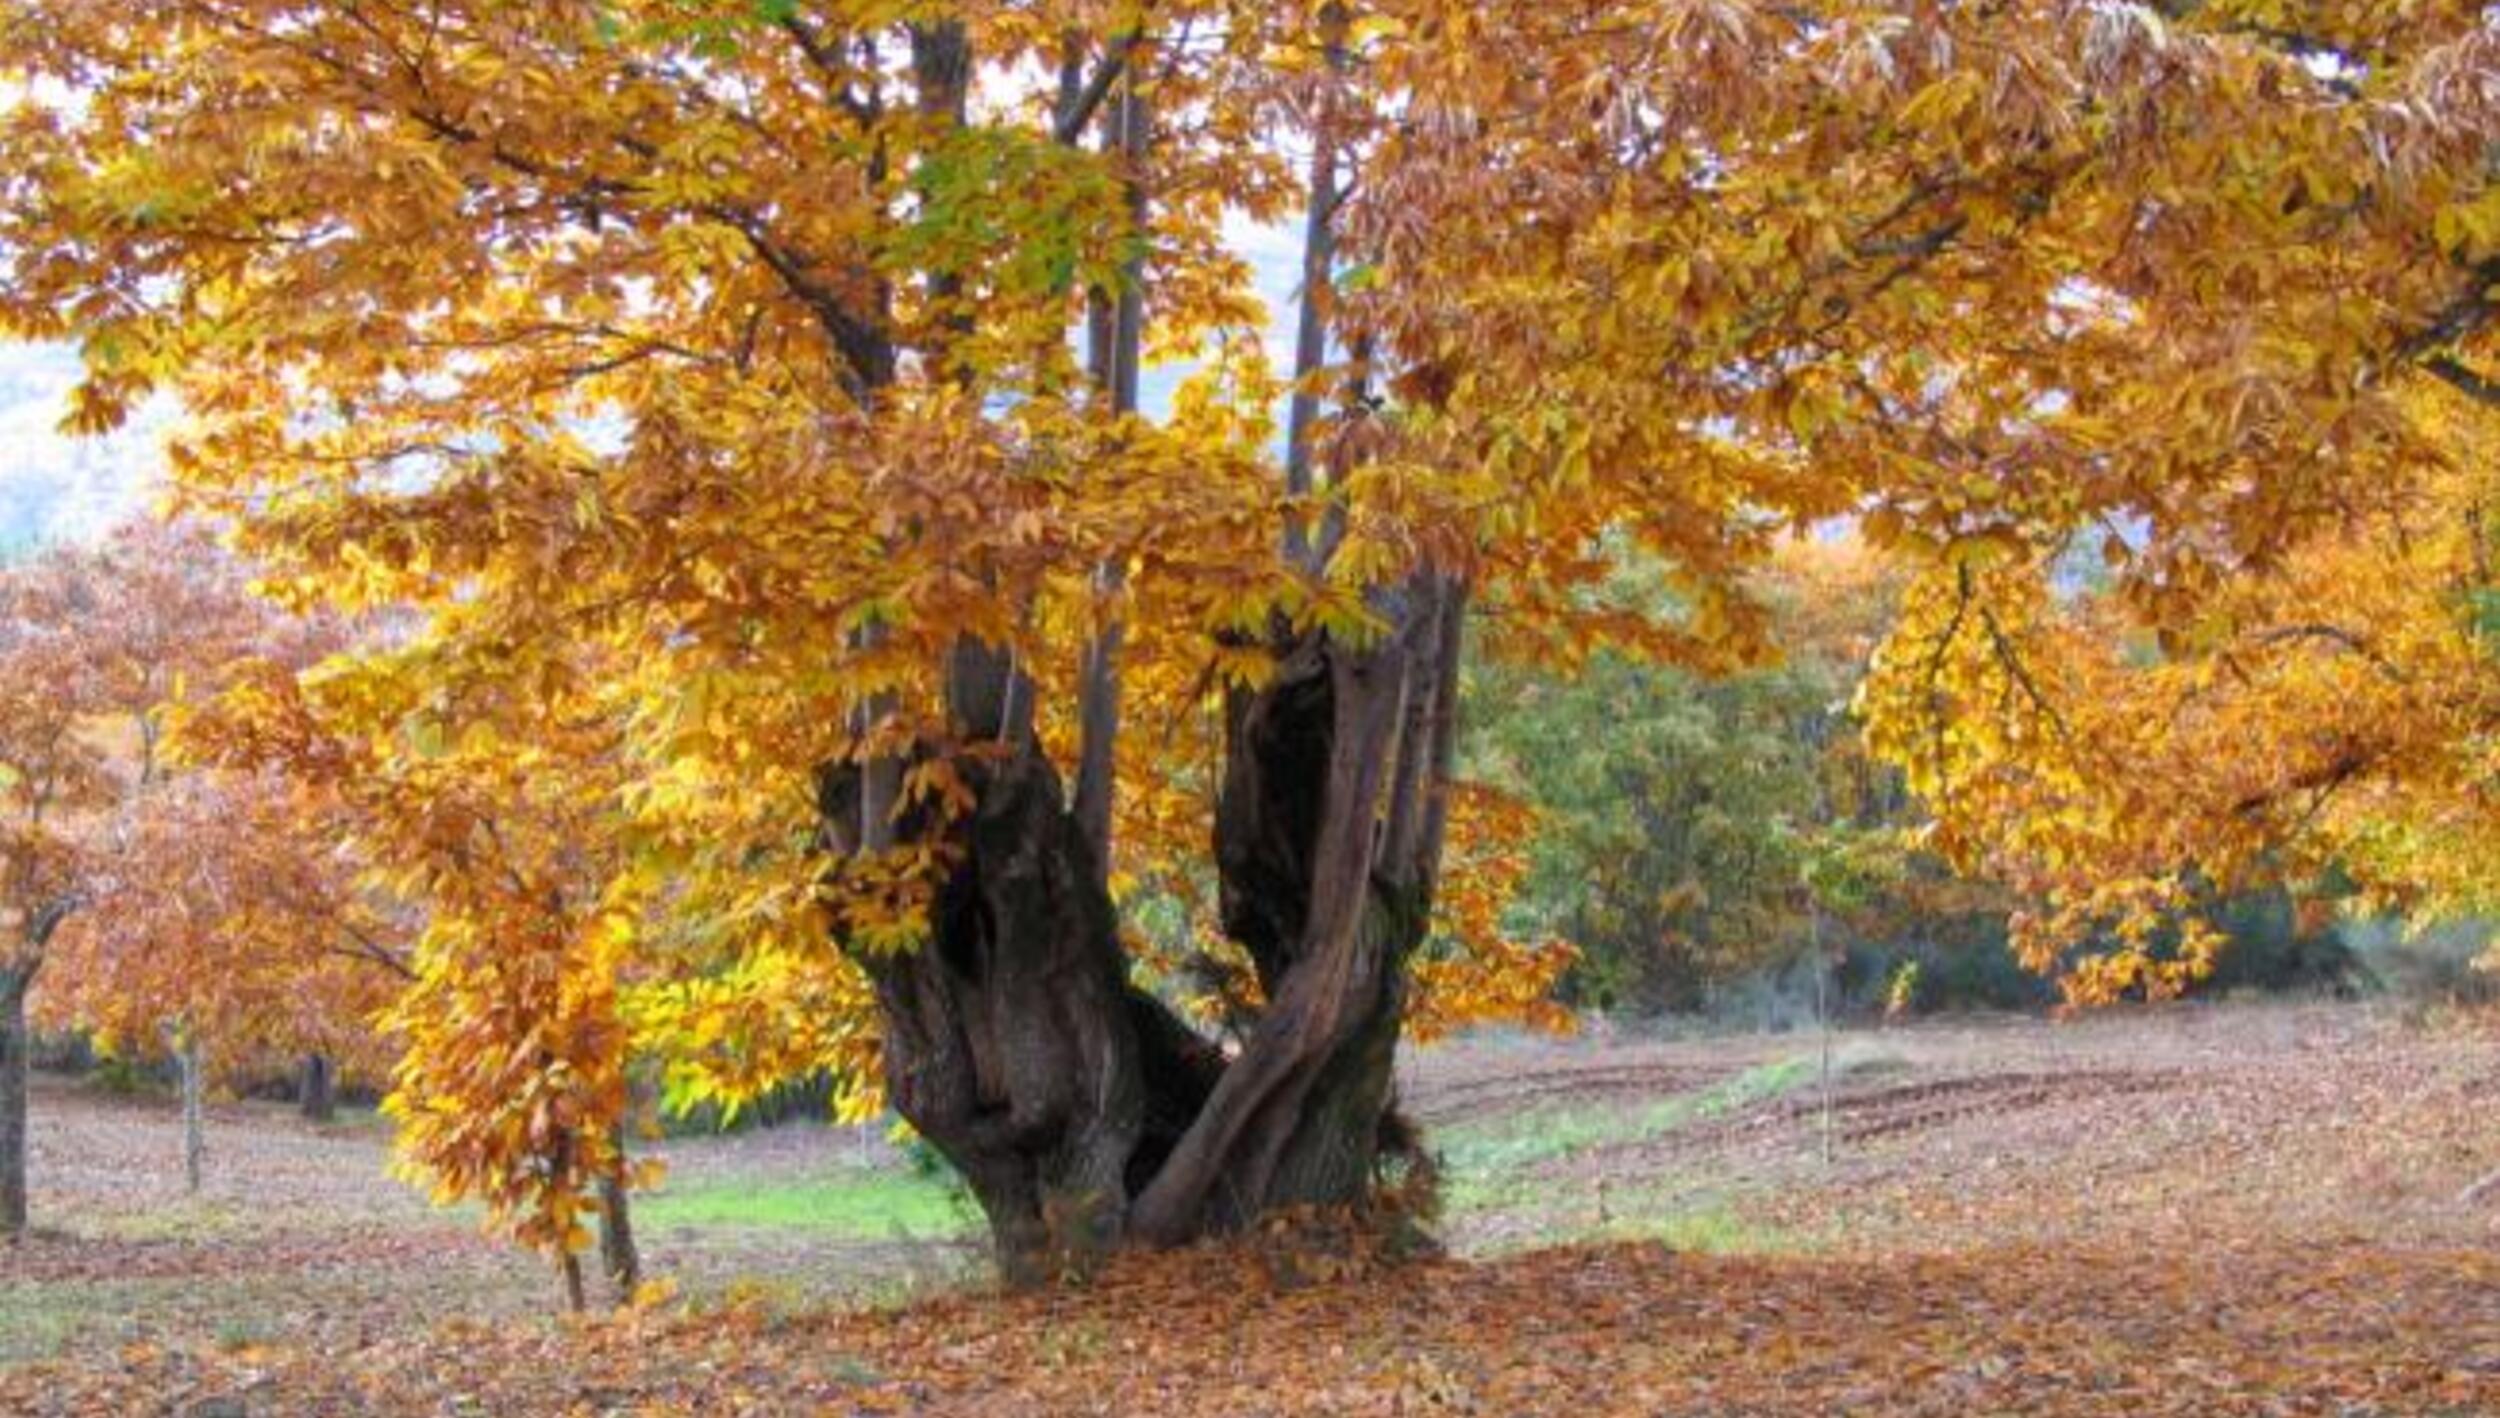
<point>2204,1211</point>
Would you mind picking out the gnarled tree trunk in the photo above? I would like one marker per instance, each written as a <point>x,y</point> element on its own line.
<point>1014,1041</point>
<point>1080,1110</point>
<point>14,1048</point>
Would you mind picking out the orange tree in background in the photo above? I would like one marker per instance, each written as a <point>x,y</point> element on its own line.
<point>53,781</point>
<point>146,898</point>
<point>232,930</point>
<point>529,922</point>
<point>816,626</point>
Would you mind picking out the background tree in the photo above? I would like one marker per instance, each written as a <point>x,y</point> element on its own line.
<point>702,371</point>
<point>231,934</point>
<point>1676,811</point>
<point>227,903</point>
<point>52,781</point>
<point>95,646</point>
<point>525,929</point>
<point>2096,386</point>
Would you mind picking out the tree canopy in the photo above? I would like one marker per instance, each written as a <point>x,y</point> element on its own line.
<point>742,395</point>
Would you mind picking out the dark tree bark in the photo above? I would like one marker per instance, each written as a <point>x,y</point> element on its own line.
<point>1320,846</point>
<point>1014,1040</point>
<point>1078,1109</point>
<point>1319,275</point>
<point>316,1098</point>
<point>1115,352</point>
<point>569,1272</point>
<point>619,1256</point>
<point>14,1042</point>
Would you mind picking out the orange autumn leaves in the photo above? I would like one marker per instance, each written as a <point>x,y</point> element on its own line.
<point>697,393</point>
<point>2327,723</point>
<point>192,901</point>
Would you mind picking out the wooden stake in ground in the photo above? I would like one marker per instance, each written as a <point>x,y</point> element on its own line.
<point>194,1126</point>
<point>1823,1017</point>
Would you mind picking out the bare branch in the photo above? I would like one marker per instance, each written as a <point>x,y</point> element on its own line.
<point>364,947</point>
<point>2012,662</point>
<point>827,61</point>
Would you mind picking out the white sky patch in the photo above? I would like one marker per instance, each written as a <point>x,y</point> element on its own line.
<point>1274,251</point>
<point>57,488</point>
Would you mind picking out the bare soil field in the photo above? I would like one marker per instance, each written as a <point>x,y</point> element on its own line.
<point>2343,1122</point>
<point>2296,1185</point>
<point>301,1233</point>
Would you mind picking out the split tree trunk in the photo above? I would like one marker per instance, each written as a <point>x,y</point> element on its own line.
<point>1014,1041</point>
<point>15,1044</point>
<point>317,1097</point>
<point>1080,1111</point>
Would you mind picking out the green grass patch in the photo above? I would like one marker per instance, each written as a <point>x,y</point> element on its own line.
<point>858,1205</point>
<point>40,1321</point>
<point>189,1221</point>
<point>1494,1170</point>
<point>1489,1152</point>
<point>1709,1229</point>
<point>1689,1217</point>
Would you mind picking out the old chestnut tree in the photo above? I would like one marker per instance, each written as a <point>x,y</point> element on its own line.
<point>824,646</point>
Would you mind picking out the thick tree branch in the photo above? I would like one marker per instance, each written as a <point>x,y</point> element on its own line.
<point>862,348</point>
<point>40,925</point>
<point>2320,782</point>
<point>2472,383</point>
<point>1078,111</point>
<point>1319,260</point>
<point>864,351</point>
<point>2468,313</point>
<point>827,61</point>
<point>48,917</point>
